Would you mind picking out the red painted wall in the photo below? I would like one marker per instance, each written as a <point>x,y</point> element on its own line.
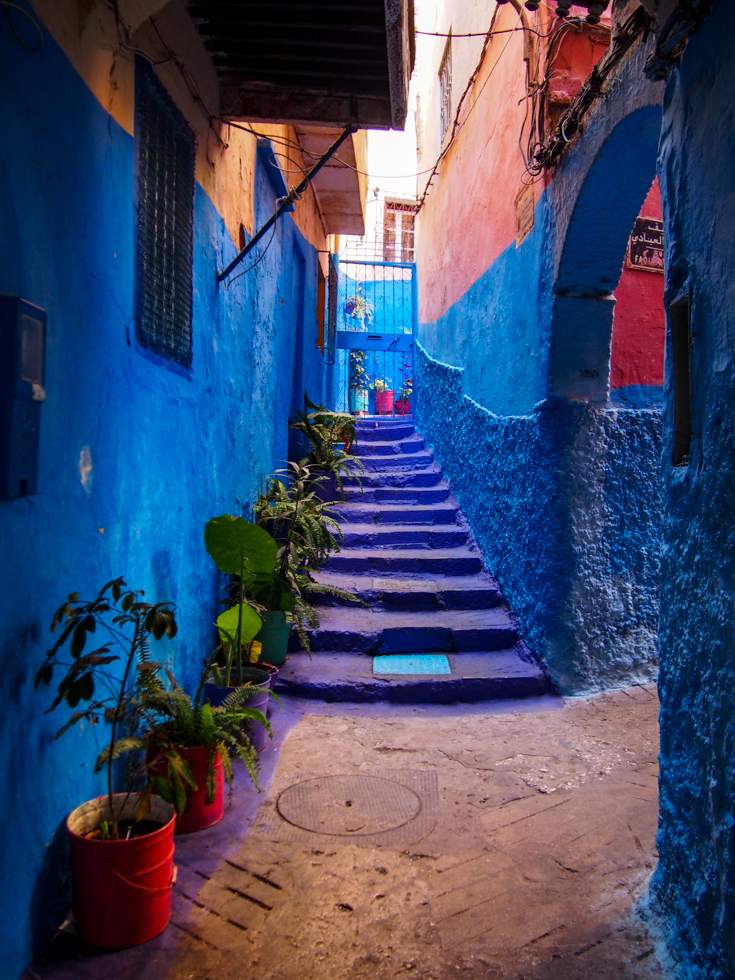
<point>639,327</point>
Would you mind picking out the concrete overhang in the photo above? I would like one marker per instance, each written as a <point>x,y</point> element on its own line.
<point>340,188</point>
<point>314,62</point>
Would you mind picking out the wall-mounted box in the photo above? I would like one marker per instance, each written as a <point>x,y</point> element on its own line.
<point>23,342</point>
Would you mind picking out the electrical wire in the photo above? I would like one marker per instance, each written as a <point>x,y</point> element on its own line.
<point>262,254</point>
<point>505,30</point>
<point>12,5</point>
<point>456,125</point>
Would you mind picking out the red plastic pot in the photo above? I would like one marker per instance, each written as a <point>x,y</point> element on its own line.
<point>122,889</point>
<point>199,814</point>
<point>403,407</point>
<point>383,402</point>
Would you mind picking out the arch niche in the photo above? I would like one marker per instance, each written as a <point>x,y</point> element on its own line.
<point>598,193</point>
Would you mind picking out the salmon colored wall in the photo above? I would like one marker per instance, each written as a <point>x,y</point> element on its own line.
<point>469,217</point>
<point>639,327</point>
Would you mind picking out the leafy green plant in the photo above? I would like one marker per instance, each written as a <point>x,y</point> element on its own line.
<point>174,721</point>
<point>357,377</point>
<point>249,553</point>
<point>129,623</point>
<point>306,534</point>
<point>406,389</point>
<point>359,308</point>
<point>324,430</point>
<point>380,384</point>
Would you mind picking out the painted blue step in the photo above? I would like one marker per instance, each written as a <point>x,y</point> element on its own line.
<point>384,433</point>
<point>474,677</point>
<point>397,495</point>
<point>400,461</point>
<point>361,630</point>
<point>429,477</point>
<point>443,512</point>
<point>384,536</point>
<point>412,445</point>
<point>431,562</point>
<point>414,592</point>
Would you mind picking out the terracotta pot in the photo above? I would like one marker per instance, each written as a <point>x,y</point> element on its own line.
<point>122,888</point>
<point>403,407</point>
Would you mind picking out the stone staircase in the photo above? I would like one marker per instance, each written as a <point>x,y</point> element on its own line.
<point>409,555</point>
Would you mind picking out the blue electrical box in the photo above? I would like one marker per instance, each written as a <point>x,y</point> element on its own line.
<point>23,340</point>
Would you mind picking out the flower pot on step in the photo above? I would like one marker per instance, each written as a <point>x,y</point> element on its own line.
<point>273,673</point>
<point>403,407</point>
<point>216,694</point>
<point>275,631</point>
<point>122,888</point>
<point>358,401</point>
<point>384,402</point>
<point>199,814</point>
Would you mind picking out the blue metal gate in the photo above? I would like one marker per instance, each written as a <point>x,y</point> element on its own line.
<point>373,313</point>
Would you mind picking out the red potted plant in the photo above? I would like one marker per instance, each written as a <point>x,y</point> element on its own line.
<point>122,843</point>
<point>190,746</point>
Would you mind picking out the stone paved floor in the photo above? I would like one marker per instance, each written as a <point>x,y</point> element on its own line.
<point>544,839</point>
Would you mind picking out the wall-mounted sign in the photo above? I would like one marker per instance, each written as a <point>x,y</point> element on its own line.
<point>525,203</point>
<point>646,245</point>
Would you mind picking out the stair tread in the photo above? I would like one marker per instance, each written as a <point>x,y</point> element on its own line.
<point>473,677</point>
<point>359,619</point>
<point>387,507</point>
<point>437,583</point>
<point>408,553</point>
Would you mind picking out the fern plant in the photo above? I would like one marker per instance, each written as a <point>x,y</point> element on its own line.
<point>173,721</point>
<point>323,431</point>
<point>306,534</point>
<point>128,623</point>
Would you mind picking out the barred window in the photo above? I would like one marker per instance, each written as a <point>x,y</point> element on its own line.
<point>398,234</point>
<point>445,90</point>
<point>165,151</point>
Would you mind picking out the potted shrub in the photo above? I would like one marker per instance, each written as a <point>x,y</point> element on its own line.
<point>325,432</point>
<point>383,397</point>
<point>358,308</point>
<point>358,381</point>
<point>249,554</point>
<point>121,843</point>
<point>300,523</point>
<point>403,404</point>
<point>190,745</point>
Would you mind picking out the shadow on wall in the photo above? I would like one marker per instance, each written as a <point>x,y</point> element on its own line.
<point>565,506</point>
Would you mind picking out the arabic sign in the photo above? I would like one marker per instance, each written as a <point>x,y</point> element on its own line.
<point>646,245</point>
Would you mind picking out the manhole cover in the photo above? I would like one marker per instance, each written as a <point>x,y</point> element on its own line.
<point>345,806</point>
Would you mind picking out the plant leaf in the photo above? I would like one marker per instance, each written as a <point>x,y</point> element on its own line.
<point>249,628</point>
<point>232,542</point>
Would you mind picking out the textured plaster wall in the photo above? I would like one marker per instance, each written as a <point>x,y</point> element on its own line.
<point>564,502</point>
<point>135,454</point>
<point>695,879</point>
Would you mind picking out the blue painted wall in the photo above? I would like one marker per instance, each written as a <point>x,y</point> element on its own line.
<point>563,498</point>
<point>695,880</point>
<point>497,330</point>
<point>564,502</point>
<point>169,448</point>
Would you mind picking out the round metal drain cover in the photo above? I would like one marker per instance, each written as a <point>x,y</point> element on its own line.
<point>346,806</point>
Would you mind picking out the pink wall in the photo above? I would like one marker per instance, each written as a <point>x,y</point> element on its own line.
<point>639,326</point>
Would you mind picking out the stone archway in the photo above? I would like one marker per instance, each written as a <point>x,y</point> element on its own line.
<point>598,192</point>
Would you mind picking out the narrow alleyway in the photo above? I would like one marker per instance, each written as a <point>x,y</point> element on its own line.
<point>409,555</point>
<point>531,842</point>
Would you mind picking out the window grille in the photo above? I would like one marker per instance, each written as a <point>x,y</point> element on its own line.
<point>398,231</point>
<point>165,176</point>
<point>445,90</point>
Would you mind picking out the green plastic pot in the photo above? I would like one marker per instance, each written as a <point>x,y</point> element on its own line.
<point>273,636</point>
